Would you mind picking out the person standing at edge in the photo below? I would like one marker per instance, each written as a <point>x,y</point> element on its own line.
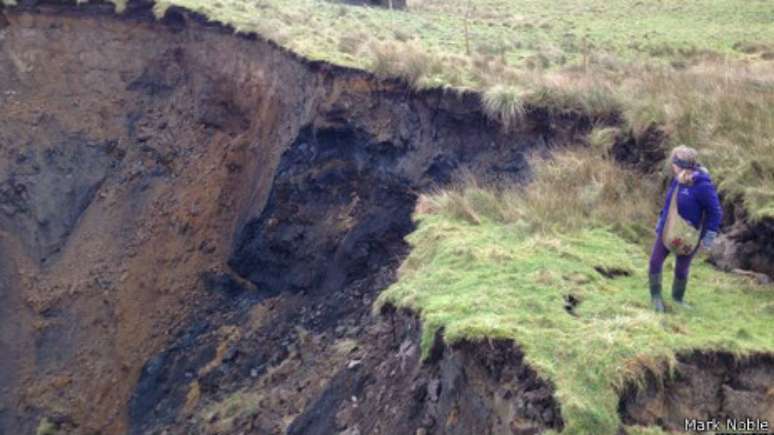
<point>696,197</point>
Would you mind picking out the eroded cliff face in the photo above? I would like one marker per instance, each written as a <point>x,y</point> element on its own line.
<point>705,386</point>
<point>131,151</point>
<point>194,225</point>
<point>160,179</point>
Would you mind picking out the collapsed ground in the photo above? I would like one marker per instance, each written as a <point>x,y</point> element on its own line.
<point>139,172</point>
<point>195,228</point>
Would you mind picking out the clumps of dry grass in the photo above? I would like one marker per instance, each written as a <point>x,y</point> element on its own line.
<point>726,111</point>
<point>579,187</point>
<point>596,102</point>
<point>572,189</point>
<point>504,104</point>
<point>497,47</point>
<point>408,61</point>
<point>401,35</point>
<point>602,139</point>
<point>456,204</point>
<point>468,200</point>
<point>487,71</point>
<point>556,94</point>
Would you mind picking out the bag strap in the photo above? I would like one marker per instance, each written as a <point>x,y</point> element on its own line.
<point>701,229</point>
<point>670,215</point>
<point>673,213</point>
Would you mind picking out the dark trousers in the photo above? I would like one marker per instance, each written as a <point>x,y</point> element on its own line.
<point>660,253</point>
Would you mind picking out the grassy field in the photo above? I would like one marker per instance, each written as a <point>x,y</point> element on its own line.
<point>702,71</point>
<point>521,32</point>
<point>460,36</point>
<point>485,265</point>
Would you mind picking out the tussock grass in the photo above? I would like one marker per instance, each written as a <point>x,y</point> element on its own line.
<point>504,104</point>
<point>498,264</point>
<point>726,111</point>
<point>580,188</point>
<point>596,102</point>
<point>572,189</point>
<point>408,62</point>
<point>602,139</point>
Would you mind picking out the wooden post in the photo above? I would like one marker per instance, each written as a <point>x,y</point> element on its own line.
<point>468,11</point>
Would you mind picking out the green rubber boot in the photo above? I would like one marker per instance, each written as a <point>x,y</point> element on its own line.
<point>678,291</point>
<point>655,292</point>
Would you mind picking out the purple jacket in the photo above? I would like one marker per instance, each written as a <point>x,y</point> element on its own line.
<point>692,201</point>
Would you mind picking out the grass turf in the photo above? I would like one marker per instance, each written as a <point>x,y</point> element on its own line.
<point>496,280</point>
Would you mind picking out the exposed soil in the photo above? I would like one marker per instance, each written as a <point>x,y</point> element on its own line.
<point>745,247</point>
<point>643,151</point>
<point>466,388</point>
<point>145,165</point>
<point>194,226</point>
<point>705,386</point>
<point>131,151</point>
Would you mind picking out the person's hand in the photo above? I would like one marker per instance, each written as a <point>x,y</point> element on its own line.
<point>709,240</point>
